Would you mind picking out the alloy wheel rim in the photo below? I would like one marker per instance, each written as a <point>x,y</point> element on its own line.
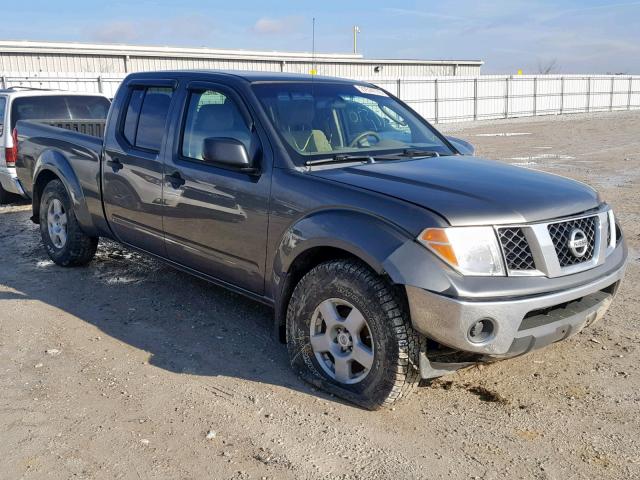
<point>342,341</point>
<point>57,223</point>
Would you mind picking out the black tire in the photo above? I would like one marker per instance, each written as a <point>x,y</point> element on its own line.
<point>79,248</point>
<point>5,197</point>
<point>394,371</point>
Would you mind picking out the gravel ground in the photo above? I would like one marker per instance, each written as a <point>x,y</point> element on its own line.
<point>129,369</point>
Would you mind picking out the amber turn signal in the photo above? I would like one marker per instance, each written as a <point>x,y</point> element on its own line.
<point>436,239</point>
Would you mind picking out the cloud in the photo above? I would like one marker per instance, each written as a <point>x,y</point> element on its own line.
<point>187,29</point>
<point>593,8</point>
<point>422,14</point>
<point>277,26</point>
<point>115,32</point>
<point>585,37</point>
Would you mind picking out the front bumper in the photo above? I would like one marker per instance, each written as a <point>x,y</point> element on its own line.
<point>520,324</point>
<point>9,181</point>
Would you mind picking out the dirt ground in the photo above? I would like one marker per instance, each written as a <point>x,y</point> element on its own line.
<point>123,368</point>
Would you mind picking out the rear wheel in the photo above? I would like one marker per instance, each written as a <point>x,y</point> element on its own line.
<point>64,240</point>
<point>349,333</point>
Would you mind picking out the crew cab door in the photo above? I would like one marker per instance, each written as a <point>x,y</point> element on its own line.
<point>215,217</point>
<point>132,172</point>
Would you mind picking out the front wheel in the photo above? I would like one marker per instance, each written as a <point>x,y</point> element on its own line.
<point>348,332</point>
<point>64,240</point>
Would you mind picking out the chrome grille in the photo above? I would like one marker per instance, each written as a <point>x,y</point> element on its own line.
<point>516,249</point>
<point>560,233</point>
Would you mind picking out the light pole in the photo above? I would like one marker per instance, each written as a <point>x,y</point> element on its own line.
<point>356,31</point>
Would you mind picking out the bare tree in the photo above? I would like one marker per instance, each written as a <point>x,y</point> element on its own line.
<point>546,67</point>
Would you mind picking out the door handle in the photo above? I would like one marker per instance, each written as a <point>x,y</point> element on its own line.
<point>175,179</point>
<point>115,164</point>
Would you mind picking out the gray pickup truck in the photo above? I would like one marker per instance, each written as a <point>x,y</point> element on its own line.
<point>387,253</point>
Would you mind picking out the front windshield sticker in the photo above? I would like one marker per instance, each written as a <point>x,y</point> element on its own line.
<point>370,90</point>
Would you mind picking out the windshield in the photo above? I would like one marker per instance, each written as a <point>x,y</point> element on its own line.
<point>328,119</point>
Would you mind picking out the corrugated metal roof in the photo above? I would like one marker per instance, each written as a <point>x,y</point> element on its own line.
<point>89,49</point>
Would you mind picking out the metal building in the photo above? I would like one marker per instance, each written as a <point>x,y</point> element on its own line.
<point>29,58</point>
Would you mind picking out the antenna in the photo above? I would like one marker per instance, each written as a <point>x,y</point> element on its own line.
<point>313,47</point>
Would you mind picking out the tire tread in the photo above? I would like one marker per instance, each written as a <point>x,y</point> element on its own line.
<point>80,247</point>
<point>405,372</point>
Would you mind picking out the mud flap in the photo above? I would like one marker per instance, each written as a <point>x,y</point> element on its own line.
<point>430,369</point>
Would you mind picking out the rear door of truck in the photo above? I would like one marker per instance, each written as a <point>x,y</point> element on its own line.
<point>132,172</point>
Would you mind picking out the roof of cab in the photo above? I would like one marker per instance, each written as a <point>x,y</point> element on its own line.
<point>249,76</point>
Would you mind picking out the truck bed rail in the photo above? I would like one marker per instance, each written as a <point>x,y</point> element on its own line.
<point>92,127</point>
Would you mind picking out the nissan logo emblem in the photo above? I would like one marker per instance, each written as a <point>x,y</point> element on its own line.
<point>578,243</point>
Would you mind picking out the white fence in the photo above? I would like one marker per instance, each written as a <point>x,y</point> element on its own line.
<point>454,99</point>
<point>440,99</point>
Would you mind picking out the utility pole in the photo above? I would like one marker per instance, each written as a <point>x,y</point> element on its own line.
<point>314,71</point>
<point>356,31</point>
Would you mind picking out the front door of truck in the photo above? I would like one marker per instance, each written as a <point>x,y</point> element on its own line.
<point>215,218</point>
<point>133,166</point>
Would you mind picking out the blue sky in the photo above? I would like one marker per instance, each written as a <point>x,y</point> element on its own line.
<point>588,36</point>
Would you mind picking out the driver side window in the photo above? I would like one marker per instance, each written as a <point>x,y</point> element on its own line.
<point>212,114</point>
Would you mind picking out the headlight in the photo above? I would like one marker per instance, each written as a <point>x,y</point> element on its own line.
<point>470,250</point>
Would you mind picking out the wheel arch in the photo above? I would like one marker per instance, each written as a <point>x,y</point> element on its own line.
<point>53,165</point>
<point>329,235</point>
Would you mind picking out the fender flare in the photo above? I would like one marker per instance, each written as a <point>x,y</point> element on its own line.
<point>55,162</point>
<point>370,238</point>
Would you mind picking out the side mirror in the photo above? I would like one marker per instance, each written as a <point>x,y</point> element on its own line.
<point>227,152</point>
<point>464,147</point>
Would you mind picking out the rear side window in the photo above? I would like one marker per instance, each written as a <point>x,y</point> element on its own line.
<point>146,116</point>
<point>131,118</point>
<point>59,107</point>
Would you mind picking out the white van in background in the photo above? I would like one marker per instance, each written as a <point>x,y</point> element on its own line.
<point>46,106</point>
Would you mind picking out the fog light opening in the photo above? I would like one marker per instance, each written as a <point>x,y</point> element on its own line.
<point>481,330</point>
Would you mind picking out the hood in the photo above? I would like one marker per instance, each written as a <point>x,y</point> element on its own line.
<point>470,190</point>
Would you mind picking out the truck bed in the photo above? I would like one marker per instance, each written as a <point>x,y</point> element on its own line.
<point>38,140</point>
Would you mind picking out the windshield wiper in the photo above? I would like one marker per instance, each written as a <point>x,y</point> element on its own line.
<point>340,159</point>
<point>406,153</point>
<point>415,152</point>
<point>343,158</point>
